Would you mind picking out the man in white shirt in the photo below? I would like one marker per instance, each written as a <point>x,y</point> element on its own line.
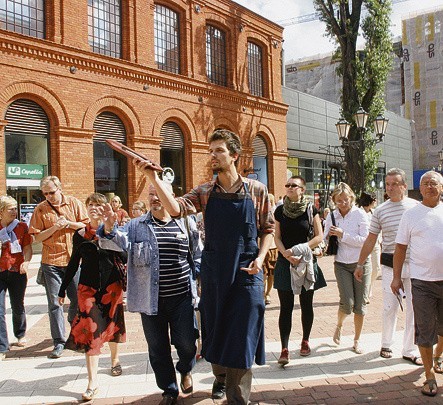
<point>385,219</point>
<point>421,228</point>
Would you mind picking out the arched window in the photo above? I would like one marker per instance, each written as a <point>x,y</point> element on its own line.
<point>110,167</point>
<point>167,39</point>
<point>27,151</point>
<point>428,30</point>
<point>104,27</point>
<point>172,154</point>
<point>437,26</point>
<point>23,16</point>
<point>260,159</point>
<point>255,69</point>
<point>216,66</point>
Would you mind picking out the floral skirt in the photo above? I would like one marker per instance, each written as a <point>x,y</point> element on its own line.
<point>99,319</point>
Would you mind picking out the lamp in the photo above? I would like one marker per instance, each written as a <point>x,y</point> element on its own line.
<point>361,117</point>
<point>380,124</point>
<point>343,128</point>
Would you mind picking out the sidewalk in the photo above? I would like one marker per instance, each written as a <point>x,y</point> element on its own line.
<point>331,375</point>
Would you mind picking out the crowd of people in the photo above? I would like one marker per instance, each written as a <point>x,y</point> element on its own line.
<point>222,268</point>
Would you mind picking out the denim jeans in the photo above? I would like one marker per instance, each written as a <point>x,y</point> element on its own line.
<point>177,314</point>
<point>53,280</point>
<point>16,284</point>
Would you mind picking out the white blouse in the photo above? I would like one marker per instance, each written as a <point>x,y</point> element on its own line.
<point>355,226</point>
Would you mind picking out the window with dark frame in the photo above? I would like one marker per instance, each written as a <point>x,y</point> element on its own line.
<point>255,69</point>
<point>104,27</point>
<point>216,56</point>
<point>23,16</point>
<point>166,39</point>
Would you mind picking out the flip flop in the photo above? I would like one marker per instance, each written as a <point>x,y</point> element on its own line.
<point>385,353</point>
<point>414,360</point>
<point>432,384</point>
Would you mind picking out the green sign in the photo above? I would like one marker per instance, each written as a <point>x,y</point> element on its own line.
<point>17,171</point>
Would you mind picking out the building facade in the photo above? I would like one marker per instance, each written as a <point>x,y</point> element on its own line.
<point>159,76</point>
<point>314,149</point>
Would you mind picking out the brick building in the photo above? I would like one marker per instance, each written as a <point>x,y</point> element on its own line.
<point>157,75</point>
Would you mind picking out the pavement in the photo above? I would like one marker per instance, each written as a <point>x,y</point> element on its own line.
<point>330,375</point>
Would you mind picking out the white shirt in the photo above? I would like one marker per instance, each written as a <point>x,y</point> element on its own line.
<point>355,226</point>
<point>421,228</point>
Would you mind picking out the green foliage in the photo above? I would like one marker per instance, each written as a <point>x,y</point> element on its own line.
<point>364,72</point>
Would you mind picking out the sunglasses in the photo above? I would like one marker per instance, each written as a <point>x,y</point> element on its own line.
<point>50,193</point>
<point>292,186</point>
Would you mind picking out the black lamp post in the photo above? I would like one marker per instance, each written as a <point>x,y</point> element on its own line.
<point>361,118</point>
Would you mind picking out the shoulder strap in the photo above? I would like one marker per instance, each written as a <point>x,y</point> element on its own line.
<point>310,212</point>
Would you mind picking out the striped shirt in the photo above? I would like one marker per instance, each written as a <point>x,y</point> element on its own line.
<point>197,199</point>
<point>386,218</point>
<point>173,258</point>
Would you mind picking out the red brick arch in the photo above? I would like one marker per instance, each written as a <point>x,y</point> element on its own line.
<point>181,118</point>
<point>43,96</point>
<point>114,105</point>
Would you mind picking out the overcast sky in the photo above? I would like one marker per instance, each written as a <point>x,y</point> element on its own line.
<point>307,39</point>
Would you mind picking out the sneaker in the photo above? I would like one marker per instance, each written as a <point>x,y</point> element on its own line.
<point>57,351</point>
<point>2,356</point>
<point>305,350</point>
<point>267,300</point>
<point>21,342</point>
<point>284,357</point>
<point>218,390</point>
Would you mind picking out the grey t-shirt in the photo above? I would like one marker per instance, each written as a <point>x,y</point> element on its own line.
<point>386,219</point>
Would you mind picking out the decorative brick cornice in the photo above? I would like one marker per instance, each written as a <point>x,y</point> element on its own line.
<point>13,44</point>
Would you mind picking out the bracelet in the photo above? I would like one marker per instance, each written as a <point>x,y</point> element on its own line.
<point>359,266</point>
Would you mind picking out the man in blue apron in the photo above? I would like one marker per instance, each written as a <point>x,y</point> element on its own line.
<point>236,212</point>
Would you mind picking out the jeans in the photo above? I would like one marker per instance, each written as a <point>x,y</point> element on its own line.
<point>16,284</point>
<point>177,314</point>
<point>53,280</point>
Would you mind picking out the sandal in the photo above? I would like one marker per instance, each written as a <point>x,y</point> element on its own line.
<point>385,353</point>
<point>357,348</point>
<point>337,335</point>
<point>438,366</point>
<point>414,360</point>
<point>90,394</point>
<point>116,370</point>
<point>432,385</point>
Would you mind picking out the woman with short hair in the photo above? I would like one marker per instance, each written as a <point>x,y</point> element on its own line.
<point>351,228</point>
<point>16,253</point>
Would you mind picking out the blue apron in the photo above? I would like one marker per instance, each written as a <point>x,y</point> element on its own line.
<point>232,305</point>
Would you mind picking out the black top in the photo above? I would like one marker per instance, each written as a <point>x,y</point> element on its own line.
<point>98,269</point>
<point>293,231</point>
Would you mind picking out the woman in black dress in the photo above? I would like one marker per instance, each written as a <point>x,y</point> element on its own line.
<point>293,226</point>
<point>100,314</point>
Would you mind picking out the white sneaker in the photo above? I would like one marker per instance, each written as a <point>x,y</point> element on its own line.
<point>2,356</point>
<point>21,342</point>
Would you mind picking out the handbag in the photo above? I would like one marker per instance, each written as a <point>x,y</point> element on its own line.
<point>40,279</point>
<point>333,240</point>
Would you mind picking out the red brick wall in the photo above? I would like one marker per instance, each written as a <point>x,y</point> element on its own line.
<point>40,70</point>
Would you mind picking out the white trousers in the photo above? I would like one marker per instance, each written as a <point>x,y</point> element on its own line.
<point>390,312</point>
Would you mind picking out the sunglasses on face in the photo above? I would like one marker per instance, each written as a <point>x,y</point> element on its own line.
<point>292,186</point>
<point>50,193</point>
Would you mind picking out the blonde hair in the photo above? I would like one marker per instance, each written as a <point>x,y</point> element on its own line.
<point>343,188</point>
<point>118,199</point>
<point>141,206</point>
<point>6,201</point>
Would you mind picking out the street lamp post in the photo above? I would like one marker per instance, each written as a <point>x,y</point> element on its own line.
<point>361,117</point>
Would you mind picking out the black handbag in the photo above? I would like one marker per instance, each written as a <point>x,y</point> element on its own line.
<point>333,240</point>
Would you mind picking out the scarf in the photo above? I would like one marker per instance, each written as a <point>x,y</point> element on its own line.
<point>7,234</point>
<point>293,209</point>
<point>90,233</point>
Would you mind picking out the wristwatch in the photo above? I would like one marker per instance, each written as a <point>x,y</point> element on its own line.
<point>359,266</point>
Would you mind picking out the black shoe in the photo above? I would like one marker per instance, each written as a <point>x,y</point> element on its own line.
<point>186,384</point>
<point>168,400</point>
<point>218,390</point>
<point>57,351</point>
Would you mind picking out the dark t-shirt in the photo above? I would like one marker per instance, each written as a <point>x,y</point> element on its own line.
<point>293,231</point>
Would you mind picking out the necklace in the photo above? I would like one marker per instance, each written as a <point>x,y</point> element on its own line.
<point>155,221</point>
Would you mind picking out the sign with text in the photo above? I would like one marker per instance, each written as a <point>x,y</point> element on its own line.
<point>23,171</point>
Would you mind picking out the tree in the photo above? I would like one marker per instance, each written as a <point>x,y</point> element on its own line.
<point>364,72</point>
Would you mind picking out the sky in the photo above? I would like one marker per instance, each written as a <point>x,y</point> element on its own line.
<point>307,39</point>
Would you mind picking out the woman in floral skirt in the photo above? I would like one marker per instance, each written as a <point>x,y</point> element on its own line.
<point>100,315</point>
